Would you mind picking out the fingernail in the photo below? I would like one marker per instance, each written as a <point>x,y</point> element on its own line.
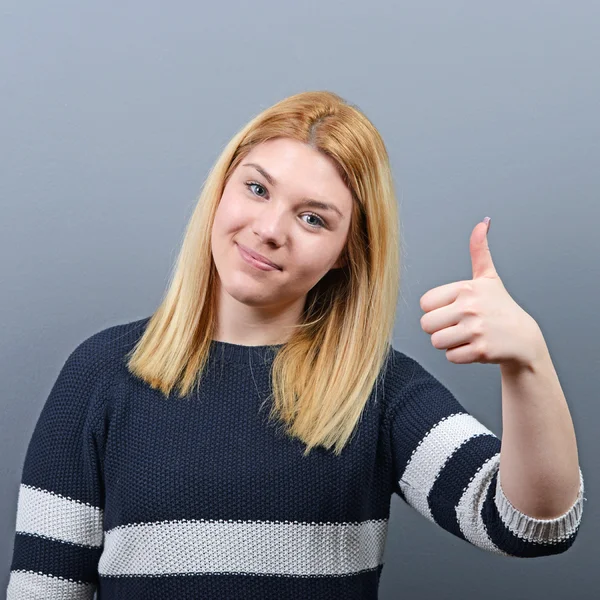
<point>488,220</point>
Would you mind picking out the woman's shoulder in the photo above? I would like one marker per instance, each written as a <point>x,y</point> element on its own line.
<point>403,368</point>
<point>406,377</point>
<point>106,348</point>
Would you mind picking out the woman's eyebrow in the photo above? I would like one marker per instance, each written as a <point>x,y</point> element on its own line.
<point>307,201</point>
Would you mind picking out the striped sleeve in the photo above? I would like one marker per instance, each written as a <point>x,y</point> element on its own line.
<point>446,466</point>
<point>59,532</point>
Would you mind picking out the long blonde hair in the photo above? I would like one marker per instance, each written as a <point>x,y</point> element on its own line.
<point>323,375</point>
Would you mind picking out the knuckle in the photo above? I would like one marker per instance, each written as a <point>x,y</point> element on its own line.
<point>470,308</point>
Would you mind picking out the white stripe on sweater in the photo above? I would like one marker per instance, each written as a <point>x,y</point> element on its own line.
<point>44,513</point>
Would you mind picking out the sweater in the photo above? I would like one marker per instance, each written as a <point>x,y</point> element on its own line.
<point>127,494</point>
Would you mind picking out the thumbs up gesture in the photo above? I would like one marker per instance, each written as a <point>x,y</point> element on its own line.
<point>476,320</point>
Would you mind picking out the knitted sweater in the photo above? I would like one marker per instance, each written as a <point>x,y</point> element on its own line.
<point>130,495</point>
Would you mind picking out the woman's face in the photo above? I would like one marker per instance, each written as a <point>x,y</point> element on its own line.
<point>273,219</point>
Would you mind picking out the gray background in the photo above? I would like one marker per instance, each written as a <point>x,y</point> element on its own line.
<point>112,115</point>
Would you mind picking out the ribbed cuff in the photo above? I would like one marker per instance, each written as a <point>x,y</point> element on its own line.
<point>540,530</point>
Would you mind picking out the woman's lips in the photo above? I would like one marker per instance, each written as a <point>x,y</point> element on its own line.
<point>255,263</point>
<point>256,256</point>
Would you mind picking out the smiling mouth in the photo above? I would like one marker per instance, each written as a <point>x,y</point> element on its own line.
<point>254,262</point>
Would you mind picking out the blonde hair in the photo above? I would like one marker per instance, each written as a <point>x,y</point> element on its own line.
<point>323,375</point>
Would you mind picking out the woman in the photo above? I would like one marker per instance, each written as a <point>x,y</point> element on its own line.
<point>154,470</point>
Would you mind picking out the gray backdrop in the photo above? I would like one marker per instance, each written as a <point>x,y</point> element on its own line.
<point>113,113</point>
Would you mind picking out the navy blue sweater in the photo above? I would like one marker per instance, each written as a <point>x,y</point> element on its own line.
<point>134,496</point>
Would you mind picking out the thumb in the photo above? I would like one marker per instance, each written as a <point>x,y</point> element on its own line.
<point>481,257</point>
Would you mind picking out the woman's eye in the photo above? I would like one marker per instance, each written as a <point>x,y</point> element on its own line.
<point>251,183</point>
<point>321,223</point>
<point>313,216</point>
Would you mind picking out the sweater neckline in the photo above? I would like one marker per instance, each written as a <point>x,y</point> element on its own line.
<point>243,354</point>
